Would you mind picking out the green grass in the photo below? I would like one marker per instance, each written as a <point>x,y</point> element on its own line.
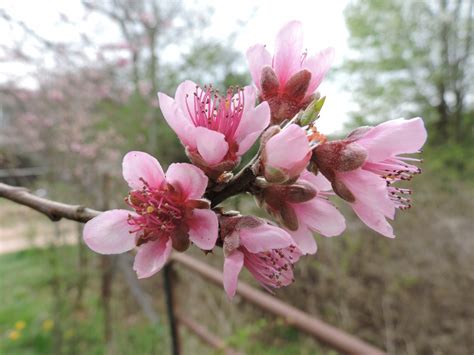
<point>38,314</point>
<point>37,317</point>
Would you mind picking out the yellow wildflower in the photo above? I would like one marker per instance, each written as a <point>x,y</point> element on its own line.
<point>47,325</point>
<point>20,325</point>
<point>14,335</point>
<point>68,334</point>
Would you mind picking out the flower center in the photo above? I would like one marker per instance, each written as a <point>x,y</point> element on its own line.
<point>220,114</point>
<point>160,212</point>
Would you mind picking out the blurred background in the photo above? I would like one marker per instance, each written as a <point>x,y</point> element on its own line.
<point>78,83</point>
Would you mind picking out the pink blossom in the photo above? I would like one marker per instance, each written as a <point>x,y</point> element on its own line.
<point>364,166</point>
<point>169,213</point>
<point>122,62</point>
<point>286,154</point>
<point>316,215</point>
<point>303,208</point>
<point>55,95</point>
<point>144,87</point>
<point>215,130</point>
<point>267,251</point>
<point>289,78</point>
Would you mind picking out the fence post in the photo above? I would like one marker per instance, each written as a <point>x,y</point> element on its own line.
<point>170,308</point>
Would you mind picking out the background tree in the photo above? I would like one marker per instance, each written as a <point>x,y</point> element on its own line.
<point>414,57</point>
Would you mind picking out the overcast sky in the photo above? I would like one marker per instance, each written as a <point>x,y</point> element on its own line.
<point>323,23</point>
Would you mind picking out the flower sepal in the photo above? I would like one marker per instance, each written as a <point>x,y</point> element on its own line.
<point>212,171</point>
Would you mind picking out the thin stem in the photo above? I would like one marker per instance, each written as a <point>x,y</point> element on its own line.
<point>240,183</point>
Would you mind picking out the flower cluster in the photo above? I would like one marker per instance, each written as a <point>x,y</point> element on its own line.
<point>294,176</point>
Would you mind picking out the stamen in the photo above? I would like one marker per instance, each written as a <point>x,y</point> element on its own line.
<point>159,212</point>
<point>221,114</point>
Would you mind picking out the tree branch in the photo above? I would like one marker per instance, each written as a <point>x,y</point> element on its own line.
<point>236,186</point>
<point>52,209</point>
<point>240,183</point>
<point>55,210</point>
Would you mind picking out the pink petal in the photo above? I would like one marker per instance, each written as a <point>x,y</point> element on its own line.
<point>258,57</point>
<point>187,178</point>
<point>251,127</point>
<point>369,190</point>
<point>184,95</point>
<point>319,182</point>
<point>203,229</point>
<point>288,51</point>
<point>318,65</point>
<point>178,120</point>
<point>211,145</point>
<point>304,238</point>
<point>109,233</point>
<point>287,148</point>
<point>394,137</point>
<point>233,263</point>
<point>151,257</point>
<point>250,96</point>
<point>373,218</point>
<point>264,238</point>
<point>321,216</point>
<point>140,165</point>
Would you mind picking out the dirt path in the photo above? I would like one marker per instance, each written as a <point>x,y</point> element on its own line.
<point>22,228</point>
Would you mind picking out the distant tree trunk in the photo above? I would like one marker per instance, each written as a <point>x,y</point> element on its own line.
<point>57,294</point>
<point>82,268</point>
<point>443,109</point>
<point>108,266</point>
<point>443,113</point>
<point>458,115</point>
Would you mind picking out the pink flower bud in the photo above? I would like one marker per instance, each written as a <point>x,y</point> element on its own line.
<point>286,155</point>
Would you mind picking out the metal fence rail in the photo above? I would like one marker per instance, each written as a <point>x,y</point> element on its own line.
<point>335,338</point>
